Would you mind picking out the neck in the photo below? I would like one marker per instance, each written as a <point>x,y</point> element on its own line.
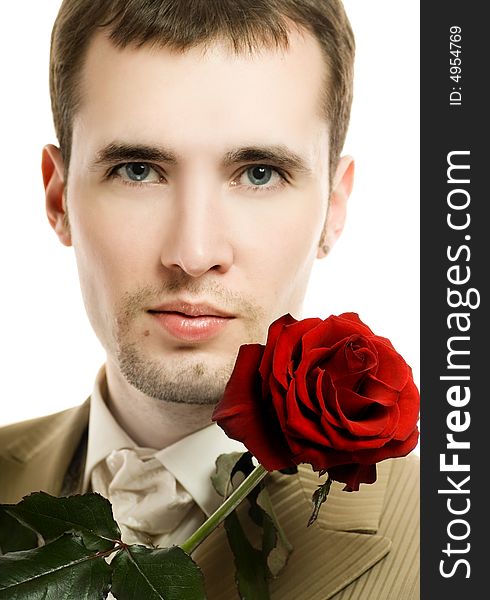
<point>151,423</point>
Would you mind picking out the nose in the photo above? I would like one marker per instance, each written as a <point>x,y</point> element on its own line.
<point>197,238</point>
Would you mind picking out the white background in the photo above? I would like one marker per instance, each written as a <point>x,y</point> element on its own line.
<point>49,354</point>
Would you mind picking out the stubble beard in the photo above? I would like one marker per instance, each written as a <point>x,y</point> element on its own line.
<point>189,383</point>
<point>192,381</point>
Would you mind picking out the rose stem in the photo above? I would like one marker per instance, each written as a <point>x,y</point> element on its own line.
<point>224,509</point>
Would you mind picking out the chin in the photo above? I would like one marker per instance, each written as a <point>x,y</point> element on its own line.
<point>184,379</point>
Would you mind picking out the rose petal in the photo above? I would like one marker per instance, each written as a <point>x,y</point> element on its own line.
<point>278,397</point>
<point>327,397</point>
<point>385,341</point>
<point>300,424</point>
<point>333,330</point>
<point>288,347</point>
<point>341,368</point>
<point>318,457</point>
<point>353,475</point>
<point>408,405</point>
<point>354,320</point>
<point>360,354</point>
<point>351,405</point>
<point>372,420</point>
<point>274,330</point>
<point>342,441</point>
<point>380,391</point>
<point>392,368</point>
<point>326,334</point>
<point>393,449</point>
<point>306,385</point>
<point>245,416</point>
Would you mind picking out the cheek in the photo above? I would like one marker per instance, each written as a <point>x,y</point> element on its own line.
<point>111,255</point>
<point>283,246</point>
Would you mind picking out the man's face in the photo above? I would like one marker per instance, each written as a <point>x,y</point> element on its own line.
<point>197,194</point>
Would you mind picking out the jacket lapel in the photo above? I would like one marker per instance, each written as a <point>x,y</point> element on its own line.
<point>37,454</point>
<point>337,549</point>
<point>340,546</point>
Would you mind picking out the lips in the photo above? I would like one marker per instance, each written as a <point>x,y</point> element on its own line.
<point>191,322</point>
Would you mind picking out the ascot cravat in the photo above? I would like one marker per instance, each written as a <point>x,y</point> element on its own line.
<point>147,501</point>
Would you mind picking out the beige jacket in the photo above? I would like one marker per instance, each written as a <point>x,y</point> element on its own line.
<point>364,546</point>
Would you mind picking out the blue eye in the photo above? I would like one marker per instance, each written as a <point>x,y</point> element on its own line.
<point>137,171</point>
<point>262,178</point>
<point>259,175</point>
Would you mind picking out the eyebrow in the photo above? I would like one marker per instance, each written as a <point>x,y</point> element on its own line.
<point>117,152</point>
<point>279,155</point>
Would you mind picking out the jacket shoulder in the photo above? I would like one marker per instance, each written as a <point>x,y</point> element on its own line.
<point>10,433</point>
<point>35,454</point>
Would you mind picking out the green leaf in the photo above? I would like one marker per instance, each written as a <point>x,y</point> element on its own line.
<point>251,571</point>
<point>14,536</point>
<point>318,498</point>
<point>162,574</point>
<point>60,570</point>
<point>88,514</point>
<point>225,465</point>
<point>275,544</point>
<point>254,566</point>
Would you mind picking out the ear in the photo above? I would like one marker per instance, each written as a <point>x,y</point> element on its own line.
<point>337,206</point>
<point>54,187</point>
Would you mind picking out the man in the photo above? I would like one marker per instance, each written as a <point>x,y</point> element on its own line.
<point>198,177</point>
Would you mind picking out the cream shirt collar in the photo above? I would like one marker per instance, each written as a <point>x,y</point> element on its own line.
<point>191,460</point>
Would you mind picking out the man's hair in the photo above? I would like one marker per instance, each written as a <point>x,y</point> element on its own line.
<point>246,25</point>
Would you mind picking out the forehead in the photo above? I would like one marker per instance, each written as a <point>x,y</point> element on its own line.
<point>202,97</point>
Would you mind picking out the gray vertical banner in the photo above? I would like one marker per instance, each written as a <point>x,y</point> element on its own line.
<point>454,319</point>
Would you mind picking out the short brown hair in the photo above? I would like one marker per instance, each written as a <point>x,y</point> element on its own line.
<point>183,24</point>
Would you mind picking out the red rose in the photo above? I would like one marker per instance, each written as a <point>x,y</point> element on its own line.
<point>329,393</point>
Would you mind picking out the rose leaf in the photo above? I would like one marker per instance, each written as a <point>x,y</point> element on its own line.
<point>57,570</point>
<point>161,574</point>
<point>251,570</point>
<point>89,515</point>
<point>13,535</point>
<point>225,467</point>
<point>275,544</point>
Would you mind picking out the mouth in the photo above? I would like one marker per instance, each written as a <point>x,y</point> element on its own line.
<point>191,322</point>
